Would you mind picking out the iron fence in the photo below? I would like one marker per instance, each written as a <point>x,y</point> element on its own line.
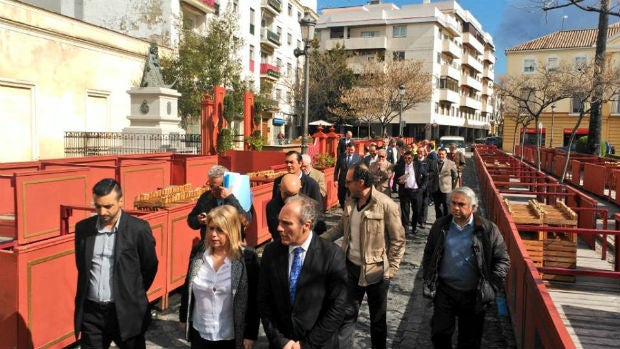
<point>81,143</point>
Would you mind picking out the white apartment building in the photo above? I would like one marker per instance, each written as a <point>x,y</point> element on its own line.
<point>449,40</point>
<point>269,28</point>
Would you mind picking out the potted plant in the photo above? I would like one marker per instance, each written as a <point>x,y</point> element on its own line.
<point>256,140</point>
<point>324,160</point>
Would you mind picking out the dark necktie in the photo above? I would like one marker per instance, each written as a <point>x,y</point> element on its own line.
<point>348,160</point>
<point>295,271</point>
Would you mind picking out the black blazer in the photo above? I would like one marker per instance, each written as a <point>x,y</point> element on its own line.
<point>206,202</point>
<point>421,170</point>
<point>320,300</point>
<point>135,266</point>
<point>309,187</point>
<point>273,211</point>
<point>340,172</point>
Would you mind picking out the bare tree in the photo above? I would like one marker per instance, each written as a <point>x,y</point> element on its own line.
<point>604,11</point>
<point>534,93</point>
<point>376,97</point>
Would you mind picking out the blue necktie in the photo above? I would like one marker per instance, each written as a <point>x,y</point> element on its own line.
<point>295,271</point>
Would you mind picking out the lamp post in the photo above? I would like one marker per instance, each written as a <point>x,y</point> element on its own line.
<point>552,124</point>
<point>401,92</point>
<point>307,25</point>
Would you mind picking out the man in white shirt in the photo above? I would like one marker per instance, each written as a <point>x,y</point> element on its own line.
<point>412,179</point>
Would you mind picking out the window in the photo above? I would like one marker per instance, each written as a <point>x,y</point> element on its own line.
<point>580,62</point>
<point>369,34</point>
<point>289,69</point>
<point>251,21</point>
<point>438,57</point>
<point>235,6</point>
<point>553,63</point>
<point>290,10</point>
<point>298,16</point>
<point>399,31</point>
<point>289,39</point>
<point>279,62</point>
<point>336,33</point>
<point>615,106</point>
<point>398,55</point>
<point>251,52</point>
<point>576,105</point>
<point>529,65</point>
<point>278,94</point>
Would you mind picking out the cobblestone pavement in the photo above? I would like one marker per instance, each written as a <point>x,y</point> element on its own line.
<point>408,315</point>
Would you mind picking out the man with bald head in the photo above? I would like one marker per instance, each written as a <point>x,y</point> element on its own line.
<point>318,176</point>
<point>289,186</point>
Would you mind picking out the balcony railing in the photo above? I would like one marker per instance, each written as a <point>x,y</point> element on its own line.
<point>269,70</point>
<point>82,143</point>
<point>273,5</point>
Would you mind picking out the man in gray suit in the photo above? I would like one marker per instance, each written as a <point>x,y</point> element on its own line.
<point>444,181</point>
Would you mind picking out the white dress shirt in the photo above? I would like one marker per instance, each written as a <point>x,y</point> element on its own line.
<point>411,182</point>
<point>213,312</point>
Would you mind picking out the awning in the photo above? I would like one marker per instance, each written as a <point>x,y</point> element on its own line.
<point>278,122</point>
<point>580,131</point>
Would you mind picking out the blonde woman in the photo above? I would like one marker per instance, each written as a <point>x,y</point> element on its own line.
<point>218,305</point>
<point>382,169</point>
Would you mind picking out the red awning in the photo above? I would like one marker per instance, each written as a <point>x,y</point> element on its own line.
<point>580,131</point>
<point>533,130</point>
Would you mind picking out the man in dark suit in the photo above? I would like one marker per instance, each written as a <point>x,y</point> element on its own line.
<point>289,187</point>
<point>343,142</point>
<point>392,152</point>
<point>216,196</point>
<point>302,283</point>
<point>343,163</point>
<point>116,262</point>
<point>309,186</point>
<point>412,179</point>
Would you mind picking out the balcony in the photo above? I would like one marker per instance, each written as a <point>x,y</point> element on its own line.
<point>471,82</point>
<point>269,39</point>
<point>470,103</point>
<point>470,39</point>
<point>451,25</point>
<point>487,90</point>
<point>471,61</point>
<point>205,6</point>
<point>450,71</point>
<point>271,6</point>
<point>488,73</point>
<point>451,48</point>
<point>489,56</point>
<point>448,95</point>
<point>372,43</point>
<point>269,72</point>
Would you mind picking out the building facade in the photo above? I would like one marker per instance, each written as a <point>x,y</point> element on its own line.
<point>95,50</point>
<point>450,42</point>
<point>575,48</point>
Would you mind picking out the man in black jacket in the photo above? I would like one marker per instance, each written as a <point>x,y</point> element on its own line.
<point>116,262</point>
<point>465,263</point>
<point>309,186</point>
<point>412,179</point>
<point>303,282</point>
<point>216,196</point>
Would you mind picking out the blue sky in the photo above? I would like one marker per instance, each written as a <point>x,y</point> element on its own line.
<point>510,22</point>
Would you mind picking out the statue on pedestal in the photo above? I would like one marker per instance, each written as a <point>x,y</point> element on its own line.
<point>152,77</point>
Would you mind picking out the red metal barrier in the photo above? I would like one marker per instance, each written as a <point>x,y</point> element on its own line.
<point>331,198</point>
<point>594,178</point>
<point>192,169</point>
<point>258,232</point>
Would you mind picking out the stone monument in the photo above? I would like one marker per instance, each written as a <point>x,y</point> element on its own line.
<point>154,110</point>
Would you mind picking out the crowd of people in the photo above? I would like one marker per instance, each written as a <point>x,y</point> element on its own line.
<point>305,289</point>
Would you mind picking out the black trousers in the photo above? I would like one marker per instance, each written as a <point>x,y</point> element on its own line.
<point>377,295</point>
<point>342,194</point>
<point>448,305</point>
<point>441,203</point>
<point>410,203</point>
<point>198,342</point>
<point>100,328</point>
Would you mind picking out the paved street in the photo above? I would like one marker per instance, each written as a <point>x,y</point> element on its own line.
<point>408,312</point>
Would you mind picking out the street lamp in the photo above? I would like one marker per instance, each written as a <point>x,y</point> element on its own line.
<point>552,124</point>
<point>401,92</point>
<point>307,25</point>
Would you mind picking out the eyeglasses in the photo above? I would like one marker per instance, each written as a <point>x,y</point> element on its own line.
<point>381,156</point>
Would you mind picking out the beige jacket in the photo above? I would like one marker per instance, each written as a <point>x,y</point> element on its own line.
<point>319,177</point>
<point>382,237</point>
